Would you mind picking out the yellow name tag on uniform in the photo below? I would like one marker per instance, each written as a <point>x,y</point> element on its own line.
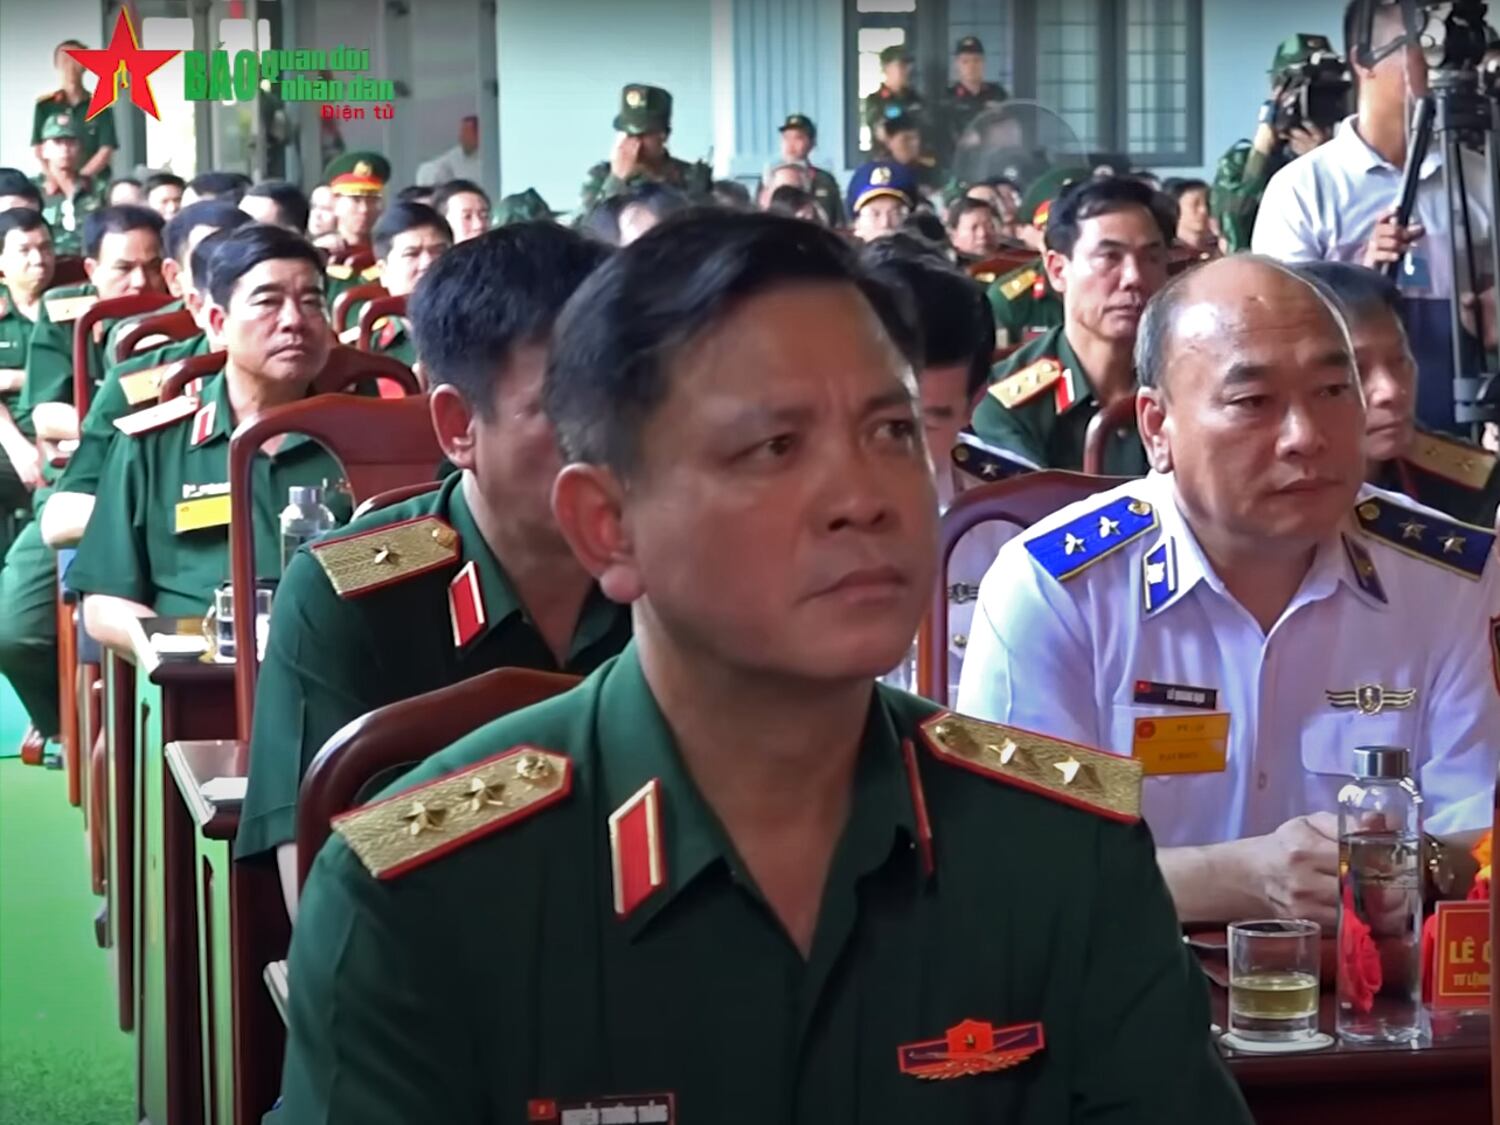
<point>1182,744</point>
<point>206,511</point>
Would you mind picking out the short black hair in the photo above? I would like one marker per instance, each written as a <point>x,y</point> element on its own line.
<point>788,199</point>
<point>1178,186</point>
<point>290,200</point>
<point>240,251</point>
<point>220,185</point>
<point>1359,291</point>
<point>1088,199</point>
<point>13,181</point>
<point>202,258</point>
<point>444,192</point>
<point>119,219</point>
<point>22,219</point>
<point>402,217</point>
<point>162,179</point>
<point>964,204</point>
<point>131,180</point>
<point>661,200</point>
<point>732,194</point>
<point>614,345</point>
<point>957,322</point>
<point>217,213</point>
<point>925,224</point>
<point>492,294</point>
<point>415,193</point>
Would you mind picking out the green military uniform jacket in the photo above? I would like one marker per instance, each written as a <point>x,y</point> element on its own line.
<point>391,336</point>
<point>65,213</point>
<point>159,534</point>
<point>1025,303</point>
<point>337,277</point>
<point>696,179</point>
<point>828,194</point>
<point>129,385</point>
<point>15,338</point>
<point>1239,183</point>
<point>96,134</point>
<point>885,102</point>
<point>49,365</point>
<point>333,656</point>
<point>961,106</point>
<point>572,923</point>
<point>1449,474</point>
<point>1039,406</point>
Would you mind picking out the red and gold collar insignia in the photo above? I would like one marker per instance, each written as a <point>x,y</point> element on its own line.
<point>203,423</point>
<point>466,605</point>
<point>635,850</point>
<point>971,1047</point>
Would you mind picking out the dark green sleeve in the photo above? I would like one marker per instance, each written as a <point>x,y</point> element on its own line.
<point>49,365</point>
<point>1006,429</point>
<point>310,685</point>
<point>112,557</point>
<point>107,136</point>
<point>1150,1056</point>
<point>97,434</point>
<point>38,115</point>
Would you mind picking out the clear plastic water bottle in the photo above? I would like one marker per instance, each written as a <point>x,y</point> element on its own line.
<point>303,519</point>
<point>1380,900</point>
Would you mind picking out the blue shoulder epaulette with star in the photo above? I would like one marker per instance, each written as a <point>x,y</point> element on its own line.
<point>1459,547</point>
<point>1066,550</point>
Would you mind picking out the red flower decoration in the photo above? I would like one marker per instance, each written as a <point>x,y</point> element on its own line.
<point>1360,975</point>
<point>1429,956</point>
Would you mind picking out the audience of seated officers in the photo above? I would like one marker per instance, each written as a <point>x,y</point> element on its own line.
<point>157,542</point>
<point>27,262</point>
<point>1248,613</point>
<point>465,206</point>
<point>1106,255</point>
<point>408,239</point>
<point>731,817</point>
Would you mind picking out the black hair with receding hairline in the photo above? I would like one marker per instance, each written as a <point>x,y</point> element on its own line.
<point>402,217</point>
<point>1089,199</point>
<point>217,213</point>
<point>22,219</point>
<point>122,218</point>
<point>163,179</point>
<point>444,192</point>
<point>220,185</point>
<point>13,181</point>
<point>488,296</point>
<point>616,341</point>
<point>290,200</point>
<point>238,252</point>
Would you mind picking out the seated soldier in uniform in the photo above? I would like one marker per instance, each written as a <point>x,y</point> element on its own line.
<point>135,382</point>
<point>157,542</point>
<point>464,206</point>
<point>164,193</point>
<point>27,262</point>
<point>482,316</point>
<point>1439,470</point>
<point>279,203</point>
<point>408,239</point>
<point>1106,254</point>
<point>731,821</point>
<point>1249,613</point>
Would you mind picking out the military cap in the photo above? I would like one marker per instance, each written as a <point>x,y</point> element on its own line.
<point>62,126</point>
<point>800,121</point>
<point>1295,50</point>
<point>881,177</point>
<point>644,109</point>
<point>1036,203</point>
<point>898,53</point>
<point>358,173</point>
<point>969,45</point>
<point>525,206</point>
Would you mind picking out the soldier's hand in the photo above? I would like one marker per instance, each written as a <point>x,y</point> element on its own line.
<point>1298,868</point>
<point>1303,138</point>
<point>626,157</point>
<point>27,462</point>
<point>1390,240</point>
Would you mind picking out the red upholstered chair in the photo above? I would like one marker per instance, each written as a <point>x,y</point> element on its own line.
<point>381,443</point>
<point>83,326</point>
<point>347,301</point>
<point>396,495</point>
<point>68,271</point>
<point>178,325</point>
<point>1494,991</point>
<point>1022,500</point>
<point>1118,415</point>
<point>402,734</point>
<point>375,309</point>
<point>346,367</point>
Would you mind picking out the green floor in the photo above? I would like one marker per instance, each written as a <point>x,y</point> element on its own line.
<point>63,1059</point>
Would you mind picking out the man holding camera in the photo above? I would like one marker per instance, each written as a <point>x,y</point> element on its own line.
<point>1302,80</point>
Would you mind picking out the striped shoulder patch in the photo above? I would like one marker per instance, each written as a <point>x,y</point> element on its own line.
<point>1099,533</point>
<point>1022,386</point>
<point>382,556</point>
<point>157,417</point>
<point>1014,287</point>
<point>1459,547</point>
<point>1468,465</point>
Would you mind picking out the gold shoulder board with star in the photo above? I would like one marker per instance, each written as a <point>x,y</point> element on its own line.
<point>1021,283</point>
<point>1020,387</point>
<point>339,271</point>
<point>401,833</point>
<point>63,310</point>
<point>156,417</point>
<point>1074,774</point>
<point>371,273</point>
<point>1459,547</point>
<point>370,560</point>
<point>143,386</point>
<point>1080,543</point>
<point>1453,460</point>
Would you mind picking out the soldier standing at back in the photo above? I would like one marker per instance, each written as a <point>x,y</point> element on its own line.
<point>642,128</point>
<point>895,98</point>
<point>971,95</point>
<point>799,136</point>
<point>97,140</point>
<point>67,194</point>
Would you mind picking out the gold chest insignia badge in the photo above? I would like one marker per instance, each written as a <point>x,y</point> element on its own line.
<point>1372,699</point>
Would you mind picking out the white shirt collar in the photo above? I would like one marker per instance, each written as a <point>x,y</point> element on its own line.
<point>1353,151</point>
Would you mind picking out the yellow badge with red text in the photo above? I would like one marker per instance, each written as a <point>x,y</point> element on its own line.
<point>1462,976</point>
<point>1181,743</point>
<point>205,511</point>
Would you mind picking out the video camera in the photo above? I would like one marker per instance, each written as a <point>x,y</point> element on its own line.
<point>1314,89</point>
<point>1451,34</point>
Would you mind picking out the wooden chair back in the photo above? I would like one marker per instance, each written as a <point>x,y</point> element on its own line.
<point>375,309</point>
<point>68,270</point>
<point>83,326</point>
<point>1021,500</point>
<point>345,370</point>
<point>178,325</point>
<point>1118,415</point>
<point>403,734</point>
<point>396,495</point>
<point>349,300</point>
<point>381,443</point>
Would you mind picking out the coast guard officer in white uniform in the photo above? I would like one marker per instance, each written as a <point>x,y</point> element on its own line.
<point>1249,613</point>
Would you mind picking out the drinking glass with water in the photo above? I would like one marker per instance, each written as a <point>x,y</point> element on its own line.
<point>1273,980</point>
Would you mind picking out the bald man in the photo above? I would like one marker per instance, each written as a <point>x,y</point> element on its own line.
<point>1250,612</point>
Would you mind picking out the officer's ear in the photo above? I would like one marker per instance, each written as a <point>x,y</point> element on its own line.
<point>1155,430</point>
<point>171,272</point>
<point>216,318</point>
<point>453,423</point>
<point>587,502</point>
<point>1056,266</point>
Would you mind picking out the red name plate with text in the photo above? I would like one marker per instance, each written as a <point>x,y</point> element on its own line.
<point>1461,977</point>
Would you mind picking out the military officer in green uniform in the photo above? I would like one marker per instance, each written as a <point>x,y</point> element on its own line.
<point>26,265</point>
<point>971,95</point>
<point>642,128</point>
<point>523,207</point>
<point>1106,254</point>
<point>480,577</point>
<point>1247,167</point>
<point>68,196</point>
<point>730,826</point>
<point>896,97</point>
<point>799,136</point>
<point>357,181</point>
<point>97,139</point>
<point>1025,304</point>
<point>409,239</point>
<point>157,541</point>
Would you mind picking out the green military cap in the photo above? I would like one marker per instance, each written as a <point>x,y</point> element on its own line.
<point>800,121</point>
<point>358,173</point>
<point>898,53</point>
<point>1297,49</point>
<point>644,109</point>
<point>62,126</point>
<point>969,45</point>
<point>525,206</point>
<point>1036,202</point>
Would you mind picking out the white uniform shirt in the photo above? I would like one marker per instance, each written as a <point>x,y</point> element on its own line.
<point>1089,656</point>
